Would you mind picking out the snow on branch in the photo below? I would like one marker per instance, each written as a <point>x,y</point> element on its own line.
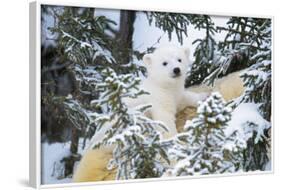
<point>136,137</point>
<point>205,148</point>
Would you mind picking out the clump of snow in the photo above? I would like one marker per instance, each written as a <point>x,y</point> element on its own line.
<point>246,120</point>
<point>93,46</point>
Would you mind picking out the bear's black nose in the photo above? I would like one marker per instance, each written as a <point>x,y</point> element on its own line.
<point>177,70</point>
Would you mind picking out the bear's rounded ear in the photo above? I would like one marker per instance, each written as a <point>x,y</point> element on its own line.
<point>186,51</point>
<point>147,59</point>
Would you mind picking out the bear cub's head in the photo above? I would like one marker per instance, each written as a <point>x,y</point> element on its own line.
<point>167,64</point>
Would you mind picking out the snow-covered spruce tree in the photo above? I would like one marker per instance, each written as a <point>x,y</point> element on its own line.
<point>249,39</point>
<point>138,151</point>
<point>205,52</point>
<point>244,39</point>
<point>257,80</point>
<point>82,41</point>
<point>170,22</point>
<point>82,35</point>
<point>205,147</point>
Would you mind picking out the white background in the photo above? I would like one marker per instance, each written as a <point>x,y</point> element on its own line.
<point>14,91</point>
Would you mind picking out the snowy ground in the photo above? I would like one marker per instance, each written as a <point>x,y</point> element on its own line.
<point>51,156</point>
<point>51,166</point>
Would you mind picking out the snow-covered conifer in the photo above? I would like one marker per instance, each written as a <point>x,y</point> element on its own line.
<point>138,151</point>
<point>246,41</point>
<point>204,54</point>
<point>205,148</point>
<point>257,82</point>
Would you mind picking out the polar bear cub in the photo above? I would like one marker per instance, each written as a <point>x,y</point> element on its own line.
<point>166,72</point>
<point>167,68</point>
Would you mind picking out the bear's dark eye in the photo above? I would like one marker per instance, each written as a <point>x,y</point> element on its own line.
<point>179,60</point>
<point>165,63</point>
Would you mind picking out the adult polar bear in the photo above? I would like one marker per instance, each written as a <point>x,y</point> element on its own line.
<point>166,69</point>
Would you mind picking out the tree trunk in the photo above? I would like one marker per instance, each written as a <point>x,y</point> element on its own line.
<point>70,160</point>
<point>125,36</point>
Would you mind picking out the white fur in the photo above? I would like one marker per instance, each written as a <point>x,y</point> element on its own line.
<point>167,94</point>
